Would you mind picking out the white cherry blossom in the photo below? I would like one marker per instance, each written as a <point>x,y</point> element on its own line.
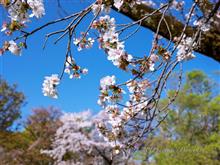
<point>37,7</point>
<point>14,48</point>
<point>184,49</point>
<point>107,81</point>
<point>49,86</point>
<point>16,13</point>
<point>118,3</point>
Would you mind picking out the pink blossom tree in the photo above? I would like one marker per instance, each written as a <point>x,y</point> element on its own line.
<point>77,141</point>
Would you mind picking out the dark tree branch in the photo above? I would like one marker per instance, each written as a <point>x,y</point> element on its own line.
<point>209,41</point>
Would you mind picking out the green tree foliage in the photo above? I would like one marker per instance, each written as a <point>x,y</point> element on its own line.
<point>10,103</point>
<point>191,132</point>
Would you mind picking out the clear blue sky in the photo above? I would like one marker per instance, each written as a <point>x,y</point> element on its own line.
<point>28,71</point>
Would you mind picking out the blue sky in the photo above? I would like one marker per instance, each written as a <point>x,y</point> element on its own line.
<point>28,71</point>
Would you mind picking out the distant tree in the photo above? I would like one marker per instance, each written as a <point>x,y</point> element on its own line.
<point>77,142</point>
<point>23,148</point>
<point>10,103</point>
<point>13,146</point>
<point>40,128</point>
<point>191,132</point>
<point>43,122</point>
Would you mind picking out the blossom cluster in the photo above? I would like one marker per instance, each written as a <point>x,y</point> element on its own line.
<point>72,69</point>
<point>114,129</point>
<point>12,47</point>
<point>147,2</point>
<point>50,83</point>
<point>109,91</point>
<point>83,43</point>
<point>49,86</point>
<point>184,49</point>
<point>37,8</point>
<point>109,41</point>
<point>108,98</point>
<point>152,60</point>
<point>8,28</point>
<point>201,23</point>
<point>178,5</point>
<point>100,8</point>
<point>118,3</point>
<point>19,13</point>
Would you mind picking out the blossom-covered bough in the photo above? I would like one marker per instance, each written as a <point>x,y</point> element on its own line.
<point>133,106</point>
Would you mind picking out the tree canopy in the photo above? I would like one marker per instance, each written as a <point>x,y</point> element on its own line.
<point>10,103</point>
